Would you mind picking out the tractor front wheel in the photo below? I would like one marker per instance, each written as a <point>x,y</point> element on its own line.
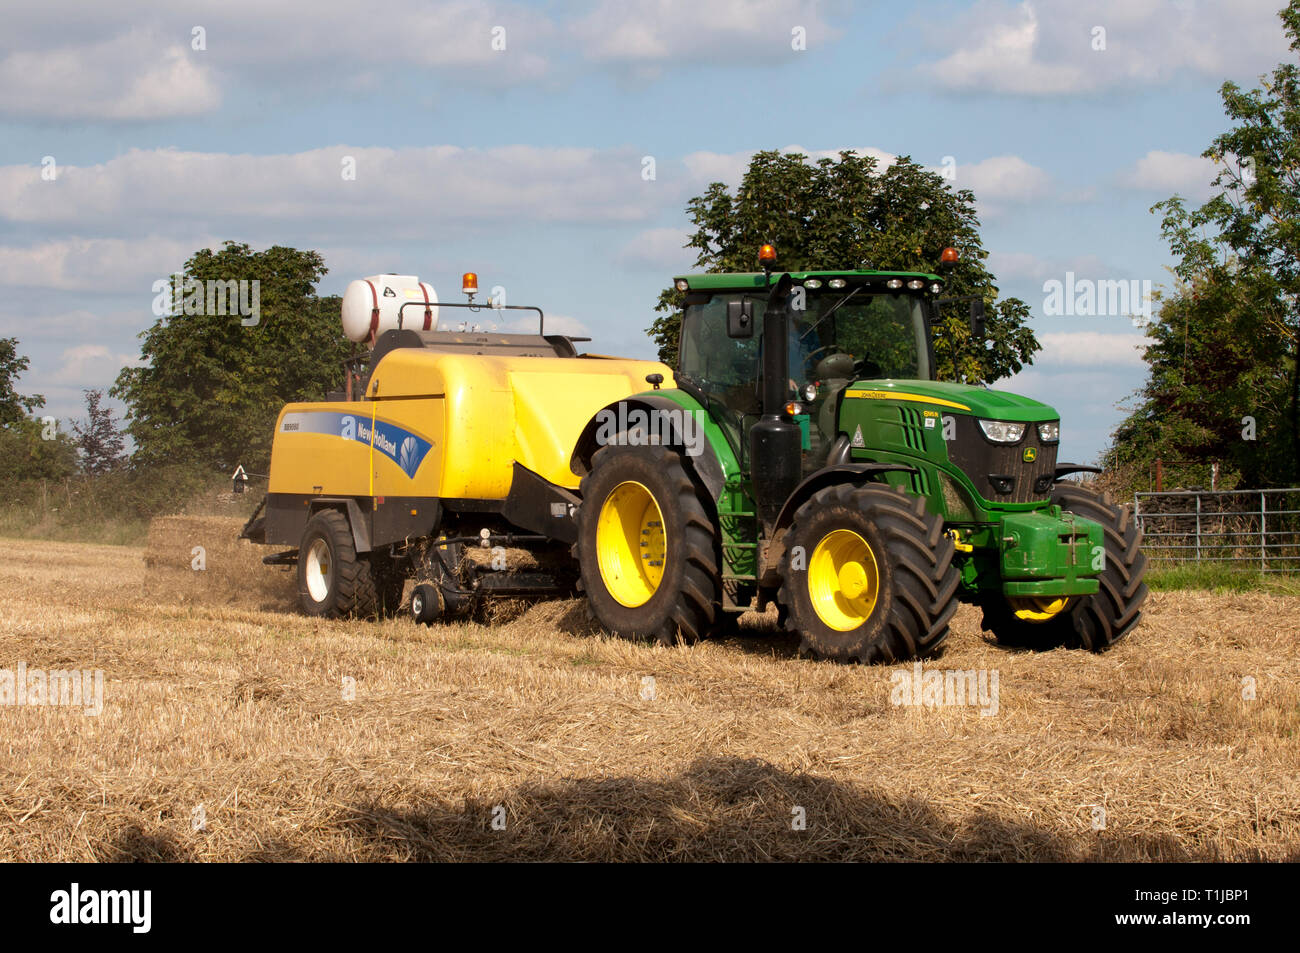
<point>868,576</point>
<point>1093,622</point>
<point>647,547</point>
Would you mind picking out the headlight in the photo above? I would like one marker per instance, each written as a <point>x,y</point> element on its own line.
<point>1050,433</point>
<point>1000,431</point>
<point>810,393</point>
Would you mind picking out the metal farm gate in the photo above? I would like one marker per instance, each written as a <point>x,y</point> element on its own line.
<point>1251,529</point>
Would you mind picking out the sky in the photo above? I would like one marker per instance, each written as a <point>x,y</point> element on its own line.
<point>516,140</point>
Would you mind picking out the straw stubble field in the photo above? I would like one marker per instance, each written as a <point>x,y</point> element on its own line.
<point>218,696</point>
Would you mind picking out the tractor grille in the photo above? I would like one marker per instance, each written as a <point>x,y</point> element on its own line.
<point>999,471</point>
<point>913,436</point>
<point>912,432</point>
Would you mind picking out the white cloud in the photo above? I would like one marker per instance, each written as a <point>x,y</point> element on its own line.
<point>1170,172</point>
<point>400,191</point>
<point>1047,47</point>
<point>565,324</point>
<point>133,76</point>
<point>1004,179</point>
<point>1001,57</point>
<point>660,248</point>
<point>1090,349</point>
<point>97,265</point>
<point>91,365</point>
<point>81,64</point>
<point>1026,266</point>
<point>29,324</point>
<point>752,32</point>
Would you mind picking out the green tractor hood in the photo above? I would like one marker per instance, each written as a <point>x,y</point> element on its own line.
<point>976,401</point>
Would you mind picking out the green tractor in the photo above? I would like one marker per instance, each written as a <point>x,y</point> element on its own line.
<point>807,456</point>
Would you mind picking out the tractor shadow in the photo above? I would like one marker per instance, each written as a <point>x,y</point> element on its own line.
<point>719,808</point>
<point>1022,643</point>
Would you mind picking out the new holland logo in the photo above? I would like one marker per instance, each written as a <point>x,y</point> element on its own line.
<point>1031,454</point>
<point>410,456</point>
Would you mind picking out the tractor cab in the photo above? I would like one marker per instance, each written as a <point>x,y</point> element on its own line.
<point>840,327</point>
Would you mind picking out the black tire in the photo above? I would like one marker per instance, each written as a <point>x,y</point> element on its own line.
<point>915,581</point>
<point>426,604</point>
<point>686,601</point>
<point>1094,622</point>
<point>344,583</point>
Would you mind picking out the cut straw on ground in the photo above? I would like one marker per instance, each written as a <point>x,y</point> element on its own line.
<point>219,696</point>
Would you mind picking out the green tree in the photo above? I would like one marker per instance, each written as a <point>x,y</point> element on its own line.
<point>212,385</point>
<point>14,407</point>
<point>99,441</point>
<point>1214,381</point>
<point>32,449</point>
<point>846,214</point>
<point>1227,342</point>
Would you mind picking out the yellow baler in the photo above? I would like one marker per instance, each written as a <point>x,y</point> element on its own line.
<point>450,435</point>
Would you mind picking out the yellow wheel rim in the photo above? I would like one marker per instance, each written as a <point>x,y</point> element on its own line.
<point>630,544</point>
<point>1038,608</point>
<point>843,580</point>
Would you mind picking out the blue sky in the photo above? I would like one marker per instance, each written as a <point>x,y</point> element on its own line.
<point>525,163</point>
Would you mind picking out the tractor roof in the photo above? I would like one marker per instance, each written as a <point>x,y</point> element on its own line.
<point>757,279</point>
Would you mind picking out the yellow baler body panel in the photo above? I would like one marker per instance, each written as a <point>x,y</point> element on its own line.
<point>450,425</point>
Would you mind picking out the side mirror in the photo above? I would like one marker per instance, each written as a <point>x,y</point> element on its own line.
<point>740,318</point>
<point>977,323</point>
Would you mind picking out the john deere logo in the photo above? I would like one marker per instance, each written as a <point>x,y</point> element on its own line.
<point>1031,454</point>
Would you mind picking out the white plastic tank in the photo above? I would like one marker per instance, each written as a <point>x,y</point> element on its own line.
<point>370,305</point>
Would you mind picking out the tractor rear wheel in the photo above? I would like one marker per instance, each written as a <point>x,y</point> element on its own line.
<point>1093,622</point>
<point>868,576</point>
<point>647,547</point>
<point>333,581</point>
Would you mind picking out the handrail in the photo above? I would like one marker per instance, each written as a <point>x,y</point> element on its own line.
<point>541,318</point>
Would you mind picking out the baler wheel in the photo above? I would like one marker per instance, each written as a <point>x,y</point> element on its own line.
<point>333,581</point>
<point>426,604</point>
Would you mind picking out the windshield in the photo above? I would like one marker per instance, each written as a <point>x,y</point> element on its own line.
<point>838,335</point>
<point>859,335</point>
